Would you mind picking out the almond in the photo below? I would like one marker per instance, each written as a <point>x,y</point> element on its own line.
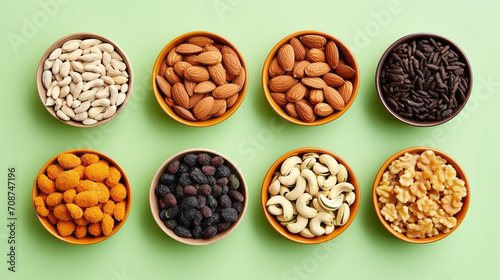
<point>313,82</point>
<point>164,86</point>
<point>317,69</point>
<point>305,111</point>
<point>171,77</point>
<point>163,67</point>
<point>230,101</point>
<point>219,113</point>
<point>291,110</point>
<point>210,48</point>
<point>219,105</point>
<point>232,64</point>
<point>180,67</point>
<point>186,49</point>
<point>240,79</point>
<point>196,74</point>
<point>315,55</point>
<point>333,98</point>
<point>313,41</point>
<point>286,57</point>
<point>333,80</point>
<point>296,92</point>
<point>323,109</point>
<point>170,102</point>
<point>275,68</point>
<point>345,91</point>
<point>281,83</point>
<point>189,86</point>
<point>344,71</point>
<point>217,73</point>
<point>279,98</point>
<point>298,48</point>
<point>180,95</point>
<point>195,99</point>
<point>200,41</point>
<point>332,54</point>
<point>225,91</point>
<point>191,59</point>
<point>209,58</point>
<point>203,107</point>
<point>316,96</point>
<point>299,68</point>
<point>205,87</point>
<point>184,113</point>
<point>227,49</point>
<point>173,57</point>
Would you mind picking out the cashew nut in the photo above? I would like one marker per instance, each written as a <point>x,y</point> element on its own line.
<point>330,204</point>
<point>285,204</point>
<point>312,182</point>
<point>310,155</point>
<point>340,188</point>
<point>286,221</point>
<point>289,163</point>
<point>302,207</point>
<point>308,163</point>
<point>316,204</point>
<point>329,183</point>
<point>342,175</point>
<point>274,188</point>
<point>300,188</point>
<point>320,218</point>
<point>350,197</point>
<point>330,162</point>
<point>299,224</point>
<point>306,232</point>
<point>342,215</point>
<point>283,190</point>
<point>291,178</point>
<point>320,169</point>
<point>275,209</point>
<point>329,229</point>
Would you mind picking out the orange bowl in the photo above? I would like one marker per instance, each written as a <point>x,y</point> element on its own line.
<point>88,239</point>
<point>344,52</point>
<point>156,208</point>
<point>459,216</point>
<point>160,97</point>
<point>42,91</point>
<point>282,230</point>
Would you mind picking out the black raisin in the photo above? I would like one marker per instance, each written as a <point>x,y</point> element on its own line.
<point>167,179</point>
<point>222,181</point>
<point>184,179</point>
<point>234,182</point>
<point>225,201</point>
<point>189,213</point>
<point>161,190</point>
<point>170,223</point>
<point>172,212</point>
<point>236,195</point>
<point>222,226</point>
<point>190,190</point>
<point>229,214</point>
<point>190,159</point>
<point>173,166</point>
<point>202,201</point>
<point>206,211</point>
<point>198,177</point>
<point>183,231</point>
<point>190,201</point>
<point>183,168</point>
<point>216,190</point>
<point>179,191</point>
<point>238,205</point>
<point>225,189</point>
<point>205,189</point>
<point>209,232</point>
<point>217,161</point>
<point>223,171</point>
<point>162,214</point>
<point>170,199</point>
<point>197,232</point>
<point>212,202</point>
<point>211,180</point>
<point>182,220</point>
<point>210,221</point>
<point>162,203</point>
<point>208,169</point>
<point>204,159</point>
<point>197,217</point>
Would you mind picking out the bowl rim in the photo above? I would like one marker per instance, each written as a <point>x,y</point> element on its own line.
<point>351,61</point>
<point>295,237</point>
<point>460,174</point>
<point>42,92</point>
<point>419,123</point>
<point>87,240</point>
<point>154,206</point>
<point>160,97</point>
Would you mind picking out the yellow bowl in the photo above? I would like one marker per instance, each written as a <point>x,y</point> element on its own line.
<point>52,229</point>
<point>160,97</point>
<point>459,216</point>
<point>264,197</point>
<point>42,91</point>
<point>155,205</point>
<point>344,53</point>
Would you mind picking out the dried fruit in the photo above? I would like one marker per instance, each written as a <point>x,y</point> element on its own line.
<point>281,83</point>
<point>286,57</point>
<point>305,111</point>
<point>202,109</point>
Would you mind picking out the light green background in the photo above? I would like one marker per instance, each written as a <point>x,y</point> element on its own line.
<point>143,136</point>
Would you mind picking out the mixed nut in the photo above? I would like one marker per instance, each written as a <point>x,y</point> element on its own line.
<point>86,80</point>
<point>200,78</point>
<point>310,194</point>
<point>309,78</point>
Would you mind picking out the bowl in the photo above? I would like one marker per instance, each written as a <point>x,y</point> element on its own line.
<point>345,54</point>
<point>167,104</point>
<point>42,91</point>
<point>88,239</point>
<point>415,99</point>
<point>460,174</point>
<point>156,207</point>
<point>296,237</point>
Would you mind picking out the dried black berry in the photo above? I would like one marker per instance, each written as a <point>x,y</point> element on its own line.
<point>183,168</point>
<point>190,159</point>
<point>206,211</point>
<point>198,177</point>
<point>170,199</point>
<point>208,169</point>
<point>179,191</point>
<point>190,190</point>
<point>210,221</point>
<point>197,232</point>
<point>211,180</point>
<point>223,181</point>
<point>161,190</point>
<point>216,190</point>
<point>205,189</point>
<point>189,213</point>
<point>184,180</point>
<point>236,195</point>
<point>202,200</point>
<point>172,212</point>
<point>167,179</point>
<point>212,202</point>
<point>170,223</point>
<point>190,201</point>
<point>223,171</point>
<point>238,206</point>
<point>229,214</point>
<point>162,203</point>
<point>182,220</point>
<point>225,189</point>
<point>197,217</point>
<point>234,182</point>
<point>204,159</point>
<point>162,215</point>
<point>209,232</point>
<point>225,201</point>
<point>222,226</point>
<point>182,231</point>
<point>173,166</point>
<point>217,161</point>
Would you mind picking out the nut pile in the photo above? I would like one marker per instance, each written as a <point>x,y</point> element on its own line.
<point>310,195</point>
<point>309,78</point>
<point>201,78</point>
<point>419,194</point>
<point>81,195</point>
<point>199,195</point>
<point>86,81</point>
